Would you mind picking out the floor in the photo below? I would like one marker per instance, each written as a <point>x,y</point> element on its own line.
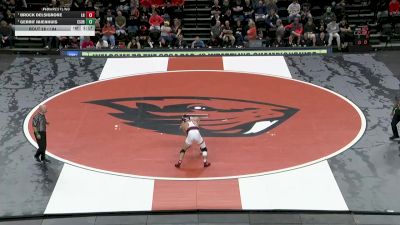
<point>319,173</point>
<point>215,218</point>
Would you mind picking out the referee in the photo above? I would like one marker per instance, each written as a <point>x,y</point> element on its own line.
<point>395,119</point>
<point>39,124</point>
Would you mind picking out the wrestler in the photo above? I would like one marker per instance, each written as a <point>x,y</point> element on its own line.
<point>190,127</point>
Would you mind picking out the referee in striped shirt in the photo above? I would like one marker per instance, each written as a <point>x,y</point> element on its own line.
<point>39,124</point>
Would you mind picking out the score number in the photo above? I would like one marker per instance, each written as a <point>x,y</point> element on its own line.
<point>90,14</point>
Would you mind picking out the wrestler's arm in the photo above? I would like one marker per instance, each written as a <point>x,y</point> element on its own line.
<point>196,120</point>
<point>183,127</point>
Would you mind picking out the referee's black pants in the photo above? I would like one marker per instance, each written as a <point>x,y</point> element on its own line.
<point>42,143</point>
<point>395,121</point>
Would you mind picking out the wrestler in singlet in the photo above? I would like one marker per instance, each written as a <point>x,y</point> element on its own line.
<point>190,126</point>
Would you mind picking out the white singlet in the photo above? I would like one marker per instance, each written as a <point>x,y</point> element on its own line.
<point>194,135</point>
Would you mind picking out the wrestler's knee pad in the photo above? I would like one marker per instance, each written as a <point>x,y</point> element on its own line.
<point>204,152</point>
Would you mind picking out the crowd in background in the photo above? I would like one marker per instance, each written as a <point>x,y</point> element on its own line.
<point>137,24</point>
<point>237,23</point>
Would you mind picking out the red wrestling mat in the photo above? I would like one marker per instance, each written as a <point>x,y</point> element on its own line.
<point>257,124</point>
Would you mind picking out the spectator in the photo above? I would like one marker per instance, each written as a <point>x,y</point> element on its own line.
<point>333,31</point>
<point>239,40</point>
<point>177,27</point>
<point>155,36</point>
<point>278,42</point>
<point>144,38</point>
<point>5,34</point>
<point>227,32</point>
<point>97,29</point>
<point>294,10</point>
<point>166,34</point>
<point>64,42</point>
<point>108,33</point>
<point>121,44</point>
<point>88,6</point>
<point>109,17</point>
<point>309,32</point>
<point>134,44</point>
<point>295,29</point>
<point>271,4</point>
<point>123,6</point>
<point>74,43</point>
<point>146,4</point>
<point>12,5</point>
<point>155,21</point>
<point>101,44</point>
<point>328,15</point>
<point>305,14</point>
<point>260,11</point>
<point>120,23</point>
<point>321,34</point>
<point>197,43</point>
<point>164,44</point>
<point>134,4</point>
<point>133,22</point>
<point>239,32</point>
<point>87,43</point>
<point>225,6</point>
<point>237,10</point>
<point>271,19</point>
<point>394,7</point>
<point>214,18</point>
<point>9,18</point>
<point>180,43</point>
<point>248,10</point>
<point>346,34</point>
<point>144,20</point>
<point>251,32</point>
<point>216,35</point>
<point>216,8</point>
<point>280,29</point>
<point>239,29</point>
<point>227,17</point>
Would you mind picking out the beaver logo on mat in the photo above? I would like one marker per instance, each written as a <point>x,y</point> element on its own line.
<point>227,117</point>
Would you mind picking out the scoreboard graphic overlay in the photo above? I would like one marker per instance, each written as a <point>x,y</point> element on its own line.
<point>55,22</point>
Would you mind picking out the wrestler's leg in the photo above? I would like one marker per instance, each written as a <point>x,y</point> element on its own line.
<point>185,147</point>
<point>204,152</point>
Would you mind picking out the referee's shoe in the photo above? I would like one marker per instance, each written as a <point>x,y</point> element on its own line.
<point>46,160</point>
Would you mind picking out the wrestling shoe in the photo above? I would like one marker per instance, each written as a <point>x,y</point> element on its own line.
<point>178,164</point>
<point>207,164</point>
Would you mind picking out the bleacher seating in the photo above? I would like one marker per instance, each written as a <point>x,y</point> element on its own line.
<point>384,29</point>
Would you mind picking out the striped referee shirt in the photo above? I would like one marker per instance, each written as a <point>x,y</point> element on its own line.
<point>39,121</point>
